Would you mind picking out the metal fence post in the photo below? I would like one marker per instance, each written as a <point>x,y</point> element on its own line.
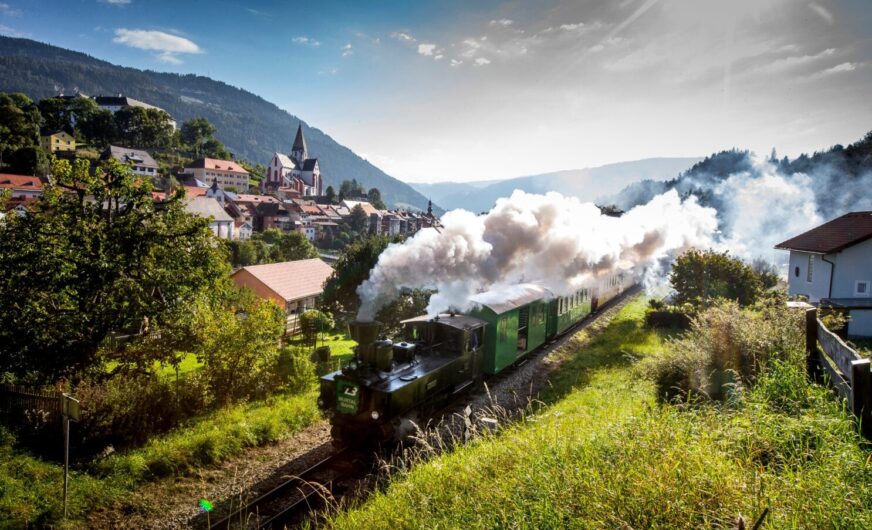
<point>861,394</point>
<point>811,348</point>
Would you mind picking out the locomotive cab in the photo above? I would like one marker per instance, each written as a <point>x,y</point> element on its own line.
<point>376,394</point>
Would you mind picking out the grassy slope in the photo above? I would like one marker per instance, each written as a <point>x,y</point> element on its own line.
<point>30,488</point>
<point>605,455</point>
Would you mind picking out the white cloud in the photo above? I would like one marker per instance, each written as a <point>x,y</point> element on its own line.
<point>328,71</point>
<point>455,62</point>
<point>481,61</point>
<point>822,12</point>
<point>403,37</point>
<point>438,56</point>
<point>306,41</point>
<point>838,69</point>
<point>426,49</point>
<point>12,32</point>
<point>167,45</point>
<point>505,22</point>
<point>168,57</point>
<point>8,10</point>
<point>794,61</point>
<point>347,50</point>
<point>572,27</point>
<point>115,2</point>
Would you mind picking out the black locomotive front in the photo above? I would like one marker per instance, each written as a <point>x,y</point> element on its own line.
<point>379,394</point>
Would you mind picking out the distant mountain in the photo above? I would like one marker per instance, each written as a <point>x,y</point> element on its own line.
<point>589,184</point>
<point>249,126</point>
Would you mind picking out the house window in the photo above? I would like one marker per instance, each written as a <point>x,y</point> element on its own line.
<point>796,271</point>
<point>861,288</point>
<point>810,271</point>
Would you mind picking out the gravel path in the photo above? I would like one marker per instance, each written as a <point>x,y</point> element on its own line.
<point>171,503</point>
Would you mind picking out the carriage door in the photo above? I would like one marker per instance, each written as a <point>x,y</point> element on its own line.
<point>523,327</point>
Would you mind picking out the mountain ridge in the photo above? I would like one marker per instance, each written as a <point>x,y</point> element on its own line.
<point>588,184</point>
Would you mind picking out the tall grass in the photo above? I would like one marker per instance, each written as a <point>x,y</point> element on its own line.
<point>30,488</point>
<point>606,454</point>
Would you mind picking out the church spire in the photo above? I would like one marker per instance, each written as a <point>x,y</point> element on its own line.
<point>298,151</point>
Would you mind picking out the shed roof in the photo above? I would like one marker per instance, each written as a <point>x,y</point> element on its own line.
<point>833,236</point>
<point>292,280</point>
<point>504,299</point>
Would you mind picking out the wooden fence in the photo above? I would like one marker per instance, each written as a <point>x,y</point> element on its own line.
<point>21,406</point>
<point>850,374</point>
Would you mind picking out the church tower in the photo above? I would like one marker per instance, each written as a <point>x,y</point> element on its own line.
<point>298,151</point>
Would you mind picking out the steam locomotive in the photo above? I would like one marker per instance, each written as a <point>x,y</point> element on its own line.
<point>387,386</point>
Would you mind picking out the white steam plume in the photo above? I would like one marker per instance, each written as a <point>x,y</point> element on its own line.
<point>550,239</point>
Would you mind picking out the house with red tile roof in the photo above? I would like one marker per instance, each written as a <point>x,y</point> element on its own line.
<point>21,186</point>
<point>831,265</point>
<point>294,285</point>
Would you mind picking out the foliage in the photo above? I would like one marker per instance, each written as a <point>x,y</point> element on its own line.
<point>766,271</point>
<point>19,134</point>
<point>700,277</point>
<point>197,137</point>
<point>100,259</point>
<point>330,195</point>
<point>607,456</point>
<point>351,189</point>
<point>725,349</point>
<point>313,322</point>
<point>64,114</point>
<point>238,342</point>
<point>375,198</point>
<point>271,246</point>
<point>358,220</point>
<point>145,128</point>
<point>352,268</point>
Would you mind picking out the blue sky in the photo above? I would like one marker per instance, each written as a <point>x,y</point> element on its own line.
<point>480,90</point>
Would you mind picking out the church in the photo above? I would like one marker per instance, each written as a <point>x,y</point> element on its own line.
<point>294,175</point>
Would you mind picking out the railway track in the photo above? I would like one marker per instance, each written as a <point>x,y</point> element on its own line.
<point>289,503</point>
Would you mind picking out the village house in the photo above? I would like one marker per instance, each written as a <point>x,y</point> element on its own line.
<point>21,186</point>
<point>294,285</point>
<point>831,265</point>
<point>295,175</point>
<point>58,142</point>
<point>207,207</point>
<point>224,173</point>
<point>115,103</point>
<point>141,162</point>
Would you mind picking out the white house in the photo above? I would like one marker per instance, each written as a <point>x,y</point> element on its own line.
<point>219,221</point>
<point>21,186</point>
<point>294,175</point>
<point>832,266</point>
<point>142,162</point>
<point>224,173</point>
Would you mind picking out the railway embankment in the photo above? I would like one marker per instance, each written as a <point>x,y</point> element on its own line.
<point>604,452</point>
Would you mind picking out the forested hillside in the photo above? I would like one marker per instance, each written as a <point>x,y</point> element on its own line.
<point>835,180</point>
<point>251,127</point>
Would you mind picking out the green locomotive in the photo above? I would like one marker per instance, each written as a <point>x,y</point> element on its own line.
<point>389,385</point>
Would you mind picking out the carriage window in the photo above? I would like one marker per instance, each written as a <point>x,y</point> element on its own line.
<point>474,339</point>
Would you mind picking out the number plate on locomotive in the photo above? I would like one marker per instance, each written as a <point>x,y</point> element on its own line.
<point>347,397</point>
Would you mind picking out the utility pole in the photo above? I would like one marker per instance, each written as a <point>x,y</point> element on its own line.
<point>69,411</point>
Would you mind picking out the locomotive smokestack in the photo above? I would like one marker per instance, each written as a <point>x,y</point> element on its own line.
<point>364,332</point>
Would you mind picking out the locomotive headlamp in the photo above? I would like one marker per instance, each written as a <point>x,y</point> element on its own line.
<point>375,415</point>
<point>352,365</point>
<point>320,402</point>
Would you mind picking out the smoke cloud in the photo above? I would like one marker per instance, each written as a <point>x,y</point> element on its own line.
<point>556,241</point>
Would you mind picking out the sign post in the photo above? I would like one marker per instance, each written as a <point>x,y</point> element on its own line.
<point>69,411</point>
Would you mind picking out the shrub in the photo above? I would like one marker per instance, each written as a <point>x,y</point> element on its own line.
<point>700,277</point>
<point>726,348</point>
